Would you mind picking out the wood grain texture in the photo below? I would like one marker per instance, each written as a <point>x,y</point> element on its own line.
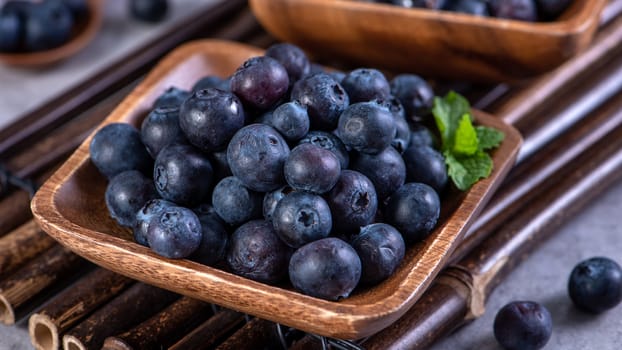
<point>432,43</point>
<point>70,207</point>
<point>47,325</point>
<point>84,32</point>
<point>256,333</point>
<point>21,245</point>
<point>211,332</point>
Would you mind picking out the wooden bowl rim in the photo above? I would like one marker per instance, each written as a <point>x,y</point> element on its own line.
<point>75,44</point>
<point>347,320</point>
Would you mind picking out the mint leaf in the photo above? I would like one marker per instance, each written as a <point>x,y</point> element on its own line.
<point>489,138</point>
<point>466,141</point>
<point>465,171</point>
<point>447,113</point>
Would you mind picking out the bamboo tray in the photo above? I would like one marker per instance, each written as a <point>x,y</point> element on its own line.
<point>433,43</point>
<point>84,32</point>
<point>70,207</point>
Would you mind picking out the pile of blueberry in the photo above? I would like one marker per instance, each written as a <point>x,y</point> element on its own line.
<point>27,26</point>
<point>281,170</point>
<point>594,286</point>
<point>524,10</point>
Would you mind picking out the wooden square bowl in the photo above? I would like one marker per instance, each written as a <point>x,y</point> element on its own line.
<point>70,207</point>
<point>429,42</point>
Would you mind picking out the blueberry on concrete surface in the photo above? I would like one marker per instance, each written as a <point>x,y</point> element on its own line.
<point>175,233</point>
<point>300,218</point>
<point>366,127</point>
<point>126,194</point>
<point>161,128</point>
<point>260,82</point>
<point>210,117</point>
<point>353,202</point>
<point>151,209</point>
<point>117,147</point>
<point>311,168</point>
<point>256,252</point>
<point>328,268</point>
<point>381,249</point>
<point>413,210</point>
<point>235,203</point>
<point>415,95</point>
<point>256,155</point>
<point>182,174</point>
<point>386,170</point>
<point>149,10</point>
<point>330,142</point>
<point>595,284</point>
<point>523,325</point>
<point>426,165</point>
<point>290,119</point>
<point>171,97</point>
<point>292,58</point>
<point>324,98</point>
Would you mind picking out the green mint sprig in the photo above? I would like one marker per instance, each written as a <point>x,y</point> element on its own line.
<point>464,145</point>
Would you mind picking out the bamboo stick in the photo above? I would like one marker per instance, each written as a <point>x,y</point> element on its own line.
<point>70,306</point>
<point>32,278</point>
<point>126,310</point>
<point>21,245</point>
<point>257,333</point>
<point>206,336</point>
<point>164,328</point>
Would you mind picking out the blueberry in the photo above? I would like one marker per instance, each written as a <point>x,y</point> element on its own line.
<point>551,9</point>
<point>524,10</point>
<point>182,174</point>
<point>324,98</point>
<point>292,58</point>
<point>366,127</point>
<point>595,284</point>
<point>415,94</point>
<point>328,268</point>
<point>260,82</point>
<point>473,7</point>
<point>381,249</point>
<point>300,218</point>
<point>272,198</point>
<point>421,135</point>
<point>234,203</point>
<point>11,28</point>
<point>210,117</point>
<point>256,155</point>
<point>148,10</point>
<point>117,147</point>
<point>256,252</point>
<point>175,233</point>
<point>312,168</point>
<point>352,201</point>
<point>151,208</point>
<point>386,170</point>
<point>401,139</point>
<point>427,165</point>
<point>171,97</point>
<point>220,165</point>
<point>290,119</point>
<point>210,81</point>
<point>366,84</point>
<point>330,142</point>
<point>47,25</point>
<point>413,210</point>
<point>79,8</point>
<point>337,75</point>
<point>429,4</point>
<point>214,237</point>
<point>126,194</point>
<point>523,325</point>
<point>160,129</point>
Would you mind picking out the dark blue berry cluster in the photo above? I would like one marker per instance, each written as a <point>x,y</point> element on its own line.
<point>280,171</point>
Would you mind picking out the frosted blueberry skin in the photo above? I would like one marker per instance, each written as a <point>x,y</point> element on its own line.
<point>324,98</point>
<point>260,82</point>
<point>472,7</point>
<point>256,252</point>
<point>353,202</point>
<point>235,203</point>
<point>328,268</point>
<point>290,119</point>
<point>11,27</point>
<point>148,10</point>
<point>413,210</point>
<point>366,127</point>
<point>126,194</point>
<point>160,129</point>
<point>272,198</point>
<point>426,165</point>
<point>172,97</point>
<point>401,139</point>
<point>151,208</point>
<point>422,136</point>
<point>330,142</point>
<point>174,233</point>
<point>256,156</point>
<point>300,218</point>
<point>381,249</point>
<point>292,58</point>
<point>595,285</point>
<point>214,238</point>
<point>209,81</point>
<point>366,84</point>
<point>210,118</point>
<point>386,170</point>
<point>116,148</point>
<point>415,95</point>
<point>523,325</point>
<point>312,168</point>
<point>182,174</point>
<point>47,25</point>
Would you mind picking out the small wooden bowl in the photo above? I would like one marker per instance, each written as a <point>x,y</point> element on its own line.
<point>428,42</point>
<point>70,207</point>
<point>83,34</point>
